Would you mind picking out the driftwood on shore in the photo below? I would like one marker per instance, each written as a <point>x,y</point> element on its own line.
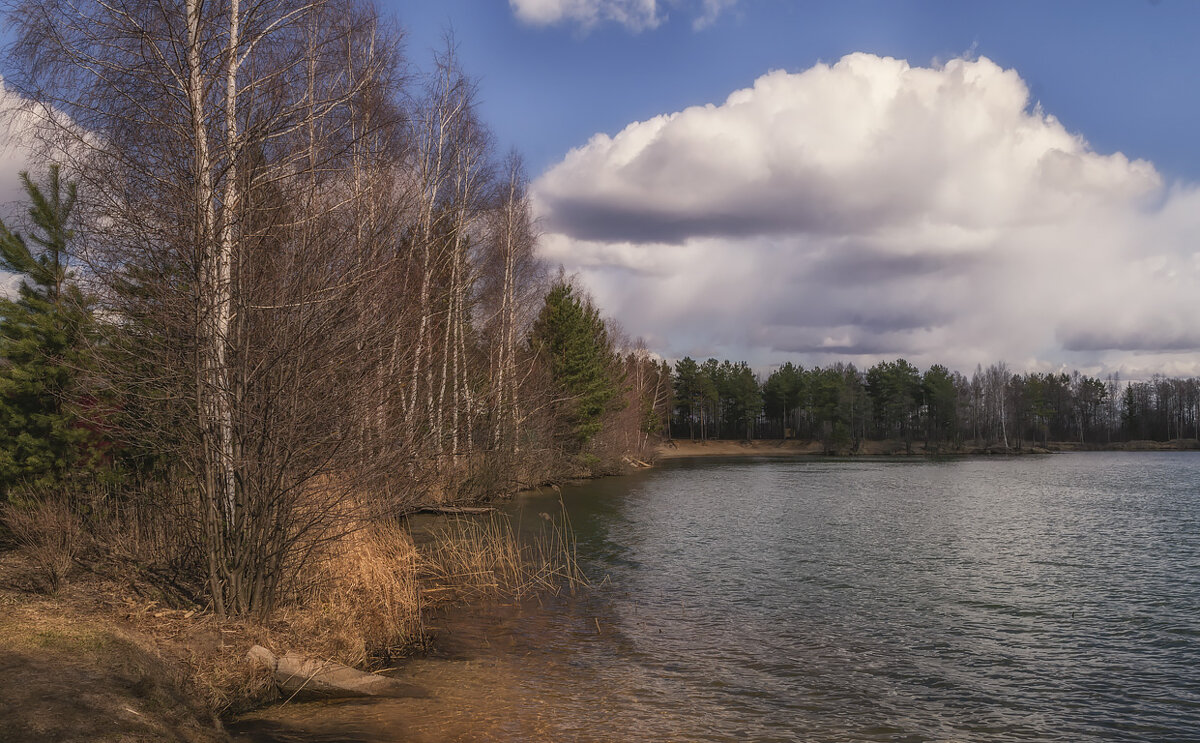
<point>455,510</point>
<point>306,678</point>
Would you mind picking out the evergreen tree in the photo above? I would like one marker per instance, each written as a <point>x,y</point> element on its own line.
<point>687,391</point>
<point>941,404</point>
<point>895,389</point>
<point>570,336</point>
<point>782,396</point>
<point>41,342</point>
<point>745,399</point>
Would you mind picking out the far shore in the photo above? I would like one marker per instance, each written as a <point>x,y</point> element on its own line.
<point>687,449</point>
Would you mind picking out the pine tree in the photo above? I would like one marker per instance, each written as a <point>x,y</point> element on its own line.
<point>41,343</point>
<point>571,337</point>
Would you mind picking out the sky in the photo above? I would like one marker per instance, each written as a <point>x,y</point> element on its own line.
<point>956,183</point>
<point>785,180</point>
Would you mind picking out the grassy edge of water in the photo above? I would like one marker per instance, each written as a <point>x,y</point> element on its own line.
<point>107,657</point>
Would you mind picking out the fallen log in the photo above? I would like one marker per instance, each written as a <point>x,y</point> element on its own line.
<point>306,678</point>
<point>456,510</point>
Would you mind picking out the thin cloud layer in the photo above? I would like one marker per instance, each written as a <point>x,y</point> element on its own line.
<point>635,15</point>
<point>871,209</point>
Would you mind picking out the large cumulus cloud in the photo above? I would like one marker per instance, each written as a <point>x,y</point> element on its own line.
<point>870,209</point>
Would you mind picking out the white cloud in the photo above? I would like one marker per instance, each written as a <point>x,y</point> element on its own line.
<point>637,15</point>
<point>16,127</point>
<point>710,11</point>
<point>16,155</point>
<point>871,209</point>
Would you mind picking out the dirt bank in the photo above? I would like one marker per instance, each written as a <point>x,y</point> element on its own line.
<point>109,658</point>
<point>70,670</point>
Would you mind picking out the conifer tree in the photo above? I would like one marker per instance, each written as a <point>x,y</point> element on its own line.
<point>41,342</point>
<point>570,335</point>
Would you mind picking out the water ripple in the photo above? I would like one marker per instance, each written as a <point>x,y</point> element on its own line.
<point>980,600</point>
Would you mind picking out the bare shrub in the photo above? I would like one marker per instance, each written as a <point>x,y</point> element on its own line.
<point>49,533</point>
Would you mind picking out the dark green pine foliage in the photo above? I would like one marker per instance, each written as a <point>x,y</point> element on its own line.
<point>571,338</point>
<point>41,342</point>
<point>941,404</point>
<point>687,392</point>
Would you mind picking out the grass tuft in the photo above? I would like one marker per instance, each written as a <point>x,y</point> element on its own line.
<point>472,557</point>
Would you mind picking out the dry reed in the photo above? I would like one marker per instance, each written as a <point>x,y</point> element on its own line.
<point>479,557</point>
<point>364,604</point>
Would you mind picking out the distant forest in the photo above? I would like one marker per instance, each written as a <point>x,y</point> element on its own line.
<point>841,405</point>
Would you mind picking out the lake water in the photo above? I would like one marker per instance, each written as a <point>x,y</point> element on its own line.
<point>1010,599</point>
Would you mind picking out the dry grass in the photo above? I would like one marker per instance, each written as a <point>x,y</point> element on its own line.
<point>77,670</point>
<point>364,605</point>
<point>472,557</point>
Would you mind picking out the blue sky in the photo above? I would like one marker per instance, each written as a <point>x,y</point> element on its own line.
<point>769,180</point>
<point>1124,74</point>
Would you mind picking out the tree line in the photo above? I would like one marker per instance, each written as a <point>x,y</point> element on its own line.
<point>842,406</point>
<point>276,283</point>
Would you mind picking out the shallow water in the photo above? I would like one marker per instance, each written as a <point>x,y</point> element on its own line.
<point>1023,599</point>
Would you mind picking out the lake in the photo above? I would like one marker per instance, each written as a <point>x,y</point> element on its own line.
<point>992,599</point>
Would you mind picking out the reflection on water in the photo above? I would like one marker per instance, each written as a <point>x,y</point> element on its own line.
<point>1023,599</point>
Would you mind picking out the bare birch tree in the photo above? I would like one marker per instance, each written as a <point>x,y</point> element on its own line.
<point>213,142</point>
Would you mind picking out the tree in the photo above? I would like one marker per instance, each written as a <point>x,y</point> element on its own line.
<point>782,393</point>
<point>216,146</point>
<point>687,391</point>
<point>512,250</point>
<point>744,397</point>
<point>570,337</point>
<point>42,343</point>
<point>895,389</point>
<point>835,395</point>
<point>1090,394</point>
<point>708,384</point>
<point>941,404</point>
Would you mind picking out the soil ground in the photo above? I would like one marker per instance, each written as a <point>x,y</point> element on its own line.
<point>78,665</point>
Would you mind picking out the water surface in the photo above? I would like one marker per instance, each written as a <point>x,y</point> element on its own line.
<point>1012,599</point>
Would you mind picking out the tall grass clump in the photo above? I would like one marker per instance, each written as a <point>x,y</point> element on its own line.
<point>480,557</point>
<point>362,604</point>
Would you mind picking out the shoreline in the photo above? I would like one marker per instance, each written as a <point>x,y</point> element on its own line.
<point>713,448</point>
<point>138,658</point>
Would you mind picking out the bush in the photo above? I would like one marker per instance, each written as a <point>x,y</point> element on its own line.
<point>49,533</point>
